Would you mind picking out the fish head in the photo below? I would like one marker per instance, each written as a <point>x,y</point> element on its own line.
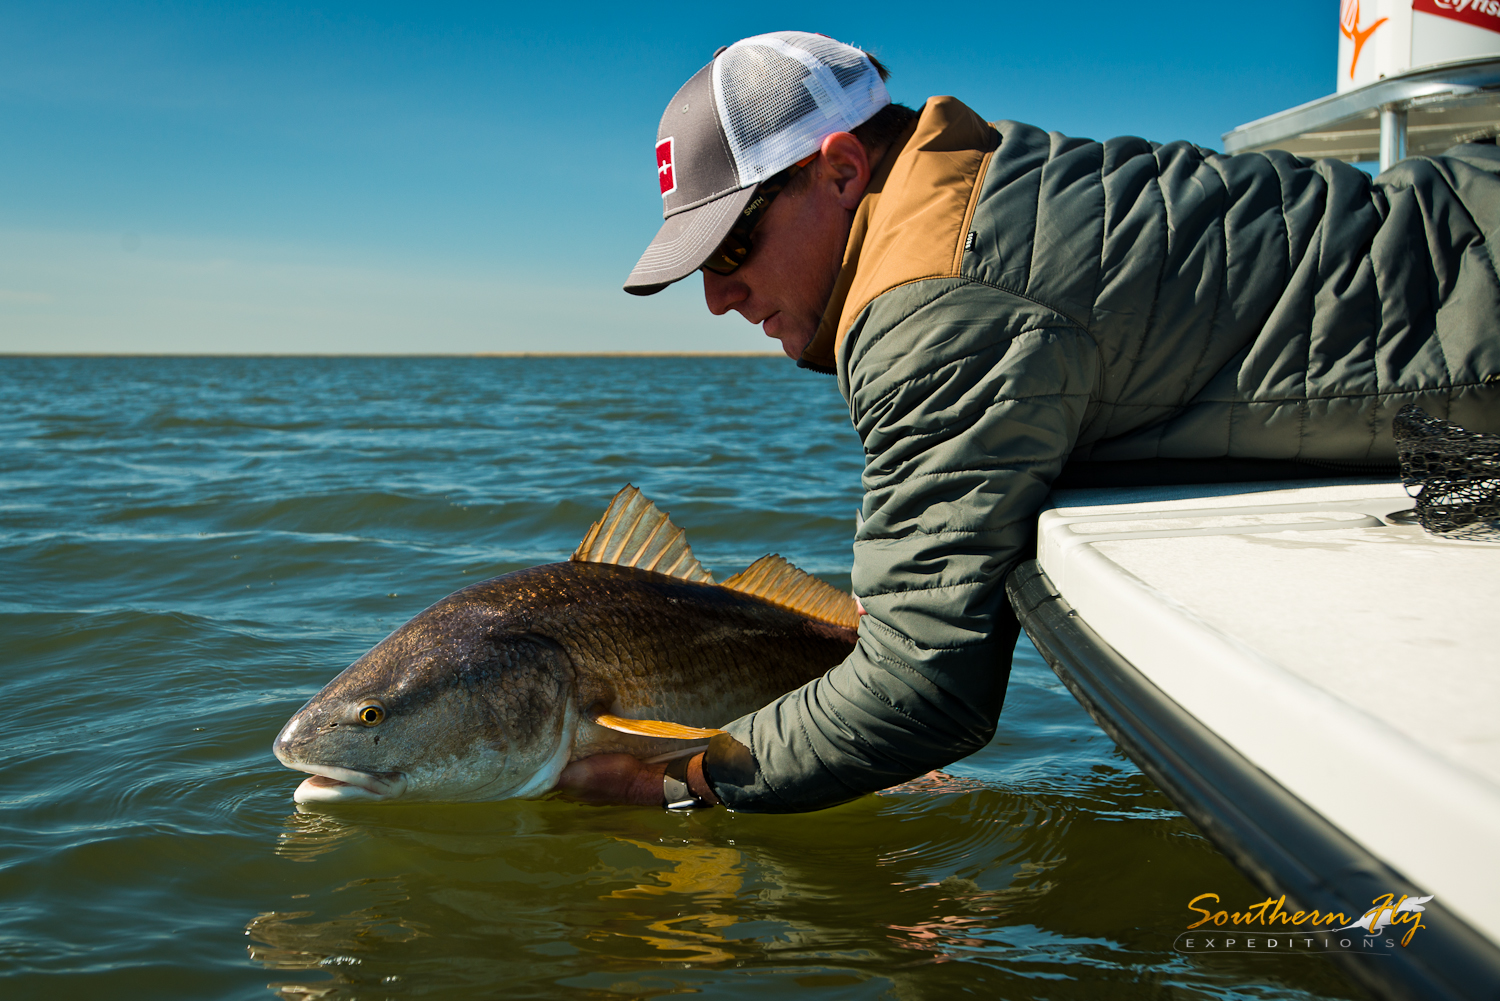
<point>451,706</point>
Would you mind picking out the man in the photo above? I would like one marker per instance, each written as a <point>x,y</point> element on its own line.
<point>998,302</point>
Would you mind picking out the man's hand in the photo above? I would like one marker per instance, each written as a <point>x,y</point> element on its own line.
<point>625,780</point>
<point>612,778</point>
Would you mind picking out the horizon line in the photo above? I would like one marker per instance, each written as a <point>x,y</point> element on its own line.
<point>391,354</point>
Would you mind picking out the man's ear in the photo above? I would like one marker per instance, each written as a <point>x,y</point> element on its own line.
<point>847,163</point>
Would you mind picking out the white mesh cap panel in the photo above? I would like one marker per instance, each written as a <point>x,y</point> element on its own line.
<point>779,95</point>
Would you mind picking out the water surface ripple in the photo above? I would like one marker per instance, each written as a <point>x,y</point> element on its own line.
<point>191,547</point>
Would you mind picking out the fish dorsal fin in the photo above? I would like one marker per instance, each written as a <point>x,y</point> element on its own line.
<point>636,533</point>
<point>654,727</point>
<point>777,581</point>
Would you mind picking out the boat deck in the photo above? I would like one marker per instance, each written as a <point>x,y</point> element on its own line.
<point>1344,656</point>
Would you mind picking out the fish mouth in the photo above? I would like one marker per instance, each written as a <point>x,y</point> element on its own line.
<point>332,784</point>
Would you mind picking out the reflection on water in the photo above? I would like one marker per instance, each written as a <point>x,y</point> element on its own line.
<point>284,940</point>
<point>193,547</point>
<point>941,937</point>
<point>947,884</point>
<point>309,834</point>
<point>704,875</point>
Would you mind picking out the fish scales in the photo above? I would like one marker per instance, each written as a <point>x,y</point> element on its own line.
<point>643,643</point>
<point>491,691</point>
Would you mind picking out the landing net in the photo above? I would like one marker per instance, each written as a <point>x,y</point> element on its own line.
<point>1456,473</point>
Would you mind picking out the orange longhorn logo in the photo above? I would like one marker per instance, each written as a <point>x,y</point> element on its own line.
<point>1349,28</point>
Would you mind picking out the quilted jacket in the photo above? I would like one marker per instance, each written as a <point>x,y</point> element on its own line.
<point>1012,300</point>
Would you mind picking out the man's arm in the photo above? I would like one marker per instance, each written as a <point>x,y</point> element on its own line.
<point>967,406</point>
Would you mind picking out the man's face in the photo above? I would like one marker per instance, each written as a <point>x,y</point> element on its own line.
<point>798,248</point>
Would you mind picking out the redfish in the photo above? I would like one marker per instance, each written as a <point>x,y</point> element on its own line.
<point>628,646</point>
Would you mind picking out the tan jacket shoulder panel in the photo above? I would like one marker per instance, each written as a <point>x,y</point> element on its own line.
<point>914,218</point>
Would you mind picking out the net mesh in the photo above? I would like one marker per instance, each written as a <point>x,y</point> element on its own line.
<point>764,93</point>
<point>1456,473</point>
<point>780,94</point>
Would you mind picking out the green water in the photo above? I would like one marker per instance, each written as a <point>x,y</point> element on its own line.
<point>189,548</point>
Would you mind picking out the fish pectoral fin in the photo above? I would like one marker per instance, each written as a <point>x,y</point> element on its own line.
<point>773,579</point>
<point>636,533</point>
<point>654,727</point>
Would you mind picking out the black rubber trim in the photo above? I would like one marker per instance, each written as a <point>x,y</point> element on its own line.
<point>1276,839</point>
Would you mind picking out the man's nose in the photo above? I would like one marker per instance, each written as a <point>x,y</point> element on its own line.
<point>723,292</point>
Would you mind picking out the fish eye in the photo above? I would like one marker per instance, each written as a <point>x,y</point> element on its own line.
<point>371,714</point>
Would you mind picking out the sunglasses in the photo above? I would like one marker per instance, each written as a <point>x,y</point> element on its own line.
<point>735,248</point>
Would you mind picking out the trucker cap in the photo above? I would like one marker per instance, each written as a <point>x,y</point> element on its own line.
<point>761,105</point>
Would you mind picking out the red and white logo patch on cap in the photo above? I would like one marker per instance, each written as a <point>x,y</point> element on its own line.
<point>665,172</point>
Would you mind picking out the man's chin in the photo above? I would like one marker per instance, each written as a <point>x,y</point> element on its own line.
<point>793,342</point>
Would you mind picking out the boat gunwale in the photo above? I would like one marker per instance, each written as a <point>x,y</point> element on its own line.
<point>1281,843</point>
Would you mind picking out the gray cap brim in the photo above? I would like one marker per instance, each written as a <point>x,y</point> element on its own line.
<point>684,242</point>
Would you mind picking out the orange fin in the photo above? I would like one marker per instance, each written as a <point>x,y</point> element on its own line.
<point>636,533</point>
<point>654,728</point>
<point>777,581</point>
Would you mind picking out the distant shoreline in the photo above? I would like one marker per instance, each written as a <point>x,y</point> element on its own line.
<point>625,354</point>
<point>446,354</point>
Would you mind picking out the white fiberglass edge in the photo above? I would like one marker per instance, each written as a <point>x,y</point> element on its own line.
<point>1435,822</point>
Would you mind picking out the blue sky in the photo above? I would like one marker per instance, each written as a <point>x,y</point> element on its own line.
<point>390,178</point>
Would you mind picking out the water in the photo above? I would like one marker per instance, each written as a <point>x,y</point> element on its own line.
<point>189,548</point>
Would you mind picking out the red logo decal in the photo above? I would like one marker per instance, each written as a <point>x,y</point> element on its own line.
<point>1480,13</point>
<point>665,172</point>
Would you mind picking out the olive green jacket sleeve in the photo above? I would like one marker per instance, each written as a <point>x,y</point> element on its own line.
<point>967,401</point>
<point>1012,300</point>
